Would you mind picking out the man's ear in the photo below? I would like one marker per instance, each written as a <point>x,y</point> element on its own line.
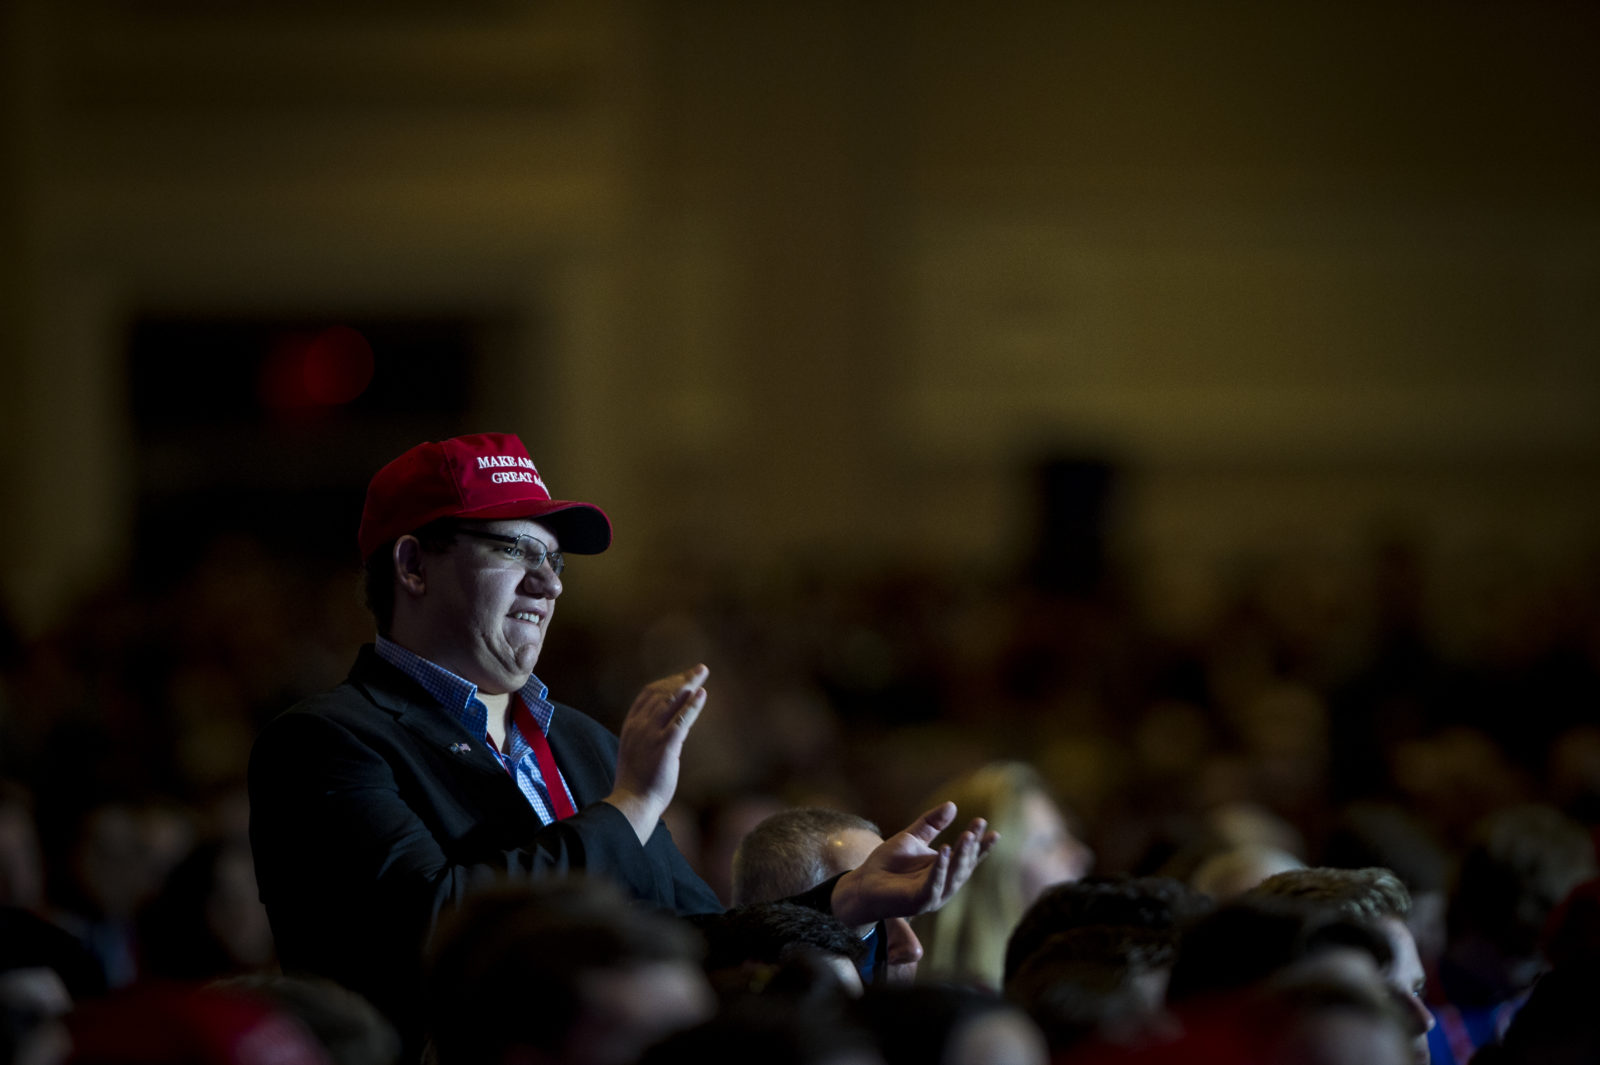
<point>408,567</point>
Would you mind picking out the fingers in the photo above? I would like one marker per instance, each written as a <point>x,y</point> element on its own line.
<point>682,687</point>
<point>934,890</point>
<point>691,678</point>
<point>690,711</point>
<point>933,822</point>
<point>688,698</point>
<point>986,844</point>
<point>968,850</point>
<point>668,701</point>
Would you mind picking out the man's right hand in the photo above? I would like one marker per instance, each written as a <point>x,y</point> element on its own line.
<point>904,876</point>
<point>652,741</point>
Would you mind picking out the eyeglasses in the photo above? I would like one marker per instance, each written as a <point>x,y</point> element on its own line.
<point>523,548</point>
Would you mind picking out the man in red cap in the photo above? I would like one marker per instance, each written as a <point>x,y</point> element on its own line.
<point>441,764</point>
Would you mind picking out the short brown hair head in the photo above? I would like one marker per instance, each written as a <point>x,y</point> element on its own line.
<point>1362,894</point>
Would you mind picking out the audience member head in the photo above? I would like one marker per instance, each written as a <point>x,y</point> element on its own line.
<point>941,1024</point>
<point>1377,897</point>
<point>346,1025</point>
<point>1387,836</point>
<point>1244,942</point>
<point>772,1032</point>
<point>966,939</point>
<point>749,946</point>
<point>1096,982</point>
<point>1232,872</point>
<point>1572,934</point>
<point>795,850</point>
<point>1325,1014</point>
<point>44,970</point>
<point>105,859</point>
<point>1521,863</point>
<point>207,922</point>
<point>590,978</point>
<point>1157,903</point>
<point>1558,1025</point>
<point>21,857</point>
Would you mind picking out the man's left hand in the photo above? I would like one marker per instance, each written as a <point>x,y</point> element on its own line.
<point>905,876</point>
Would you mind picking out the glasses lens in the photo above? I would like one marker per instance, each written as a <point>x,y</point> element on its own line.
<point>531,550</point>
<point>536,553</point>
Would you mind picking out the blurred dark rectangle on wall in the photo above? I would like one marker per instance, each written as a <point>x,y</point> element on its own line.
<point>271,426</point>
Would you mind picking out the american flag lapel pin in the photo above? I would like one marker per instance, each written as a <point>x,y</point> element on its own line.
<point>460,748</point>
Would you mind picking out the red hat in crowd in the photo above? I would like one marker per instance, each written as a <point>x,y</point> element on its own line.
<point>187,1024</point>
<point>485,475</point>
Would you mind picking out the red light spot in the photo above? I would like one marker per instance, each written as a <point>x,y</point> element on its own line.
<point>336,366</point>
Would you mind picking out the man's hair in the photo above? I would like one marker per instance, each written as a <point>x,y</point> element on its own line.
<point>521,951</point>
<point>777,948</point>
<point>768,1029</point>
<point>377,575</point>
<point>1085,983</point>
<point>1158,903</point>
<point>769,932</point>
<point>1522,862</point>
<point>916,1023</point>
<point>1245,941</point>
<point>782,856</point>
<point>1360,894</point>
<point>1138,949</point>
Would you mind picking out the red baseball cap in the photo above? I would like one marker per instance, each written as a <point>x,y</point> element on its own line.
<point>158,1023</point>
<point>485,475</point>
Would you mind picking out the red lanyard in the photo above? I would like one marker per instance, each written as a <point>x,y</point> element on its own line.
<point>534,736</point>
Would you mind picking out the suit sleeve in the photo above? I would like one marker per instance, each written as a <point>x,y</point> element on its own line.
<point>359,849</point>
<point>678,887</point>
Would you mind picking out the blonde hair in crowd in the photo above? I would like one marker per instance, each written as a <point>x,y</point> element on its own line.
<point>966,939</point>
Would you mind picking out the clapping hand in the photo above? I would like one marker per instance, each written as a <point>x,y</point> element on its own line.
<point>905,875</point>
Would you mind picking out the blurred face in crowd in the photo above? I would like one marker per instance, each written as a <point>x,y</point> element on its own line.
<point>479,612</point>
<point>1405,979</point>
<point>1341,1033</point>
<point>998,1037</point>
<point>1339,1037</point>
<point>845,851</point>
<point>1050,853</point>
<point>626,1009</point>
<point>21,863</point>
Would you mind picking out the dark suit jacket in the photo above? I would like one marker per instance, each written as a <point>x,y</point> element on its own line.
<point>372,812</point>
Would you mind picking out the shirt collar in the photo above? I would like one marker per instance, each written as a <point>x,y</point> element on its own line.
<point>458,695</point>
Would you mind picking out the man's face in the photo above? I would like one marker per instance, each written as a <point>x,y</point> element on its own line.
<point>625,1009</point>
<point>845,851</point>
<point>1051,854</point>
<point>485,614</point>
<point>1405,978</point>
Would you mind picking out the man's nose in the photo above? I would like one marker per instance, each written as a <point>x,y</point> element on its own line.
<point>903,945</point>
<point>542,582</point>
<point>1420,1017</point>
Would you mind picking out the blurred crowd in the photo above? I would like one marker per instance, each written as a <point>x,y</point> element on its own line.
<point>1161,750</point>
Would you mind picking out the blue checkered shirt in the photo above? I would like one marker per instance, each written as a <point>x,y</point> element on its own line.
<point>459,697</point>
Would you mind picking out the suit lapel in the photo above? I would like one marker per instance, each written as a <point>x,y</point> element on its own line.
<point>575,756</point>
<point>415,711</point>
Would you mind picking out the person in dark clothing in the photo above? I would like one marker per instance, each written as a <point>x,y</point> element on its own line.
<point>441,765</point>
